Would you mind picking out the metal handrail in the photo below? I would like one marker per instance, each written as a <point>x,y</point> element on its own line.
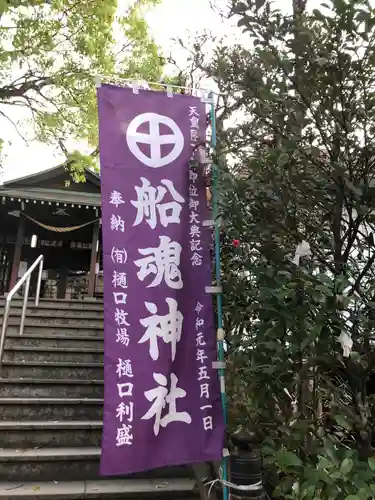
<point>25,278</point>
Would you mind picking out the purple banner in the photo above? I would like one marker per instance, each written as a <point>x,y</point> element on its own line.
<point>162,398</point>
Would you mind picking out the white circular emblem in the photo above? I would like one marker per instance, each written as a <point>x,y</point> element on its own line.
<point>154,139</point>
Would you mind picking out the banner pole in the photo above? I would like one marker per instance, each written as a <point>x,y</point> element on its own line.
<point>146,84</point>
<point>220,339</point>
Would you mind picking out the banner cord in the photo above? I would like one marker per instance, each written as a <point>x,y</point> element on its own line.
<point>220,341</point>
<point>129,82</point>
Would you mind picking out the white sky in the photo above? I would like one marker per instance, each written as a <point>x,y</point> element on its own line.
<point>173,18</point>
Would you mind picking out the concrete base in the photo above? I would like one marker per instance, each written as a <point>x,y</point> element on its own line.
<point>100,489</point>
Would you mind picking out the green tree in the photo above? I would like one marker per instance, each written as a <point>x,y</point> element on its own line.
<point>50,52</point>
<point>297,163</point>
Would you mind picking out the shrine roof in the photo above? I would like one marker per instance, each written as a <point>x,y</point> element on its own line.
<point>55,184</point>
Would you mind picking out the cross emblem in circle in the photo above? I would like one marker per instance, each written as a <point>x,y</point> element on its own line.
<point>154,139</point>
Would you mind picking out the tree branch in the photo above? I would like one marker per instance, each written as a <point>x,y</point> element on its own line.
<point>356,286</point>
<point>14,125</point>
<point>13,90</point>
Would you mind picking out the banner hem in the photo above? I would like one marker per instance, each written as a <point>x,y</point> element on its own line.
<point>209,458</point>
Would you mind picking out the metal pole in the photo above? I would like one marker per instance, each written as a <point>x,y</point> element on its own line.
<point>24,307</point>
<point>215,205</point>
<point>39,284</point>
<point>25,278</point>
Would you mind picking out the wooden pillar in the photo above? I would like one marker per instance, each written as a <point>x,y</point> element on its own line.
<point>17,251</point>
<point>62,284</point>
<point>63,276</point>
<point>94,258</point>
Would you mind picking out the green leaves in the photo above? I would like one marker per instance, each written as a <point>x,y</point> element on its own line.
<point>343,422</point>
<point>239,8</point>
<point>325,463</point>
<point>56,48</point>
<point>3,6</point>
<point>259,4</point>
<point>286,459</point>
<point>319,15</point>
<point>340,5</point>
<point>244,21</point>
<point>302,168</point>
<point>346,466</point>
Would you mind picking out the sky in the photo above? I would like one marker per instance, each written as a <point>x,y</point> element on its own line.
<point>171,19</point>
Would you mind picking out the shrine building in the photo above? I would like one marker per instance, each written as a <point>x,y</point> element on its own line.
<point>47,213</point>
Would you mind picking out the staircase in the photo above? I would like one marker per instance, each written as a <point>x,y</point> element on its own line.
<point>51,391</point>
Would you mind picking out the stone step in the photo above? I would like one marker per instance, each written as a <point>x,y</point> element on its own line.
<point>57,340</point>
<point>56,329</point>
<point>49,464</point>
<point>100,489</point>
<point>16,369</point>
<point>53,354</point>
<point>47,388</point>
<point>55,409</point>
<point>48,312</point>
<point>69,320</point>
<point>57,304</point>
<point>62,464</point>
<point>30,434</point>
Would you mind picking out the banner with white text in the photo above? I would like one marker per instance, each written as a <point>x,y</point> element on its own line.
<point>162,402</point>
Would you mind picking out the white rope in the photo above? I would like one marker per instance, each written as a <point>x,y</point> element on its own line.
<point>240,487</point>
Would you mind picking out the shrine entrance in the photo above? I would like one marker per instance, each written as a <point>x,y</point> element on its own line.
<point>67,235</point>
<point>66,261</point>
